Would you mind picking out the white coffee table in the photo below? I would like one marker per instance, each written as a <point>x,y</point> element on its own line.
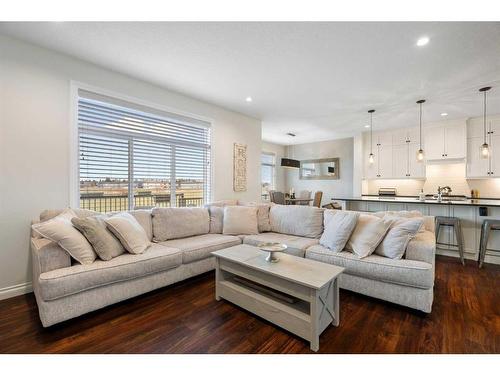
<point>297,294</point>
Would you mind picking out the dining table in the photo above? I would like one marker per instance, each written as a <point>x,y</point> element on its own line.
<point>298,200</point>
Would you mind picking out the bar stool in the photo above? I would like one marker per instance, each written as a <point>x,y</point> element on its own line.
<point>488,225</point>
<point>457,229</point>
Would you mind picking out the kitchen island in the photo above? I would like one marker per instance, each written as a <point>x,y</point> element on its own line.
<point>467,210</point>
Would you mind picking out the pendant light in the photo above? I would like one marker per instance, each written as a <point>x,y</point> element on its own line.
<point>371,157</point>
<point>420,152</point>
<point>485,148</point>
<point>287,162</point>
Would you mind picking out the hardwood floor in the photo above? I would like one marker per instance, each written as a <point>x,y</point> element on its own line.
<point>185,318</point>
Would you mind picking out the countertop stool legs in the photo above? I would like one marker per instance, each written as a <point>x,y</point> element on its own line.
<point>457,229</point>
<point>486,228</point>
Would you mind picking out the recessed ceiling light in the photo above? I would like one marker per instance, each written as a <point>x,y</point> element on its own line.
<point>422,41</point>
<point>444,114</point>
<point>367,126</point>
<point>248,99</point>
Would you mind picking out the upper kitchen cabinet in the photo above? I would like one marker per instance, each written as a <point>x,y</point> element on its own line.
<point>478,167</point>
<point>446,141</point>
<point>406,135</point>
<point>475,126</point>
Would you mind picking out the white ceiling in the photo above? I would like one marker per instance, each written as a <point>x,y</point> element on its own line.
<point>313,79</point>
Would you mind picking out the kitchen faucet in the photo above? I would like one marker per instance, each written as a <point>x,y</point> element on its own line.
<point>443,190</point>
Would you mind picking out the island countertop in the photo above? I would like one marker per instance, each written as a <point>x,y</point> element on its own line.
<point>400,199</point>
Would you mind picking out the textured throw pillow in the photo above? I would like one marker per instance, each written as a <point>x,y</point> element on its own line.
<point>240,220</point>
<point>171,223</point>
<point>402,214</point>
<point>263,220</point>
<point>369,232</point>
<point>59,229</point>
<point>216,219</point>
<point>105,244</point>
<point>127,229</point>
<point>338,230</point>
<point>400,233</point>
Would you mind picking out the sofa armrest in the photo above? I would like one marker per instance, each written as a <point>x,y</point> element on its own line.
<point>48,255</point>
<point>422,247</point>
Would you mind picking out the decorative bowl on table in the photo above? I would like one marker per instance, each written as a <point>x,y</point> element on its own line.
<point>272,248</point>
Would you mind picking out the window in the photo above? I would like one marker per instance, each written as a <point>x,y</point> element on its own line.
<point>267,162</point>
<point>132,156</point>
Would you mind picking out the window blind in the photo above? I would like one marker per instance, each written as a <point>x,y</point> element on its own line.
<point>135,157</point>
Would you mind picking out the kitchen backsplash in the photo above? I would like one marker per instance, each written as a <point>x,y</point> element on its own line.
<point>452,175</point>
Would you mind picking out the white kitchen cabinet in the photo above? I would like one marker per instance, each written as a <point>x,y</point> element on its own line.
<point>495,156</point>
<point>400,161</point>
<point>454,142</point>
<point>383,138</point>
<point>447,141</point>
<point>416,169</point>
<point>405,164</point>
<point>385,161</point>
<point>399,137</point>
<point>476,165</point>
<point>475,127</point>
<point>434,143</point>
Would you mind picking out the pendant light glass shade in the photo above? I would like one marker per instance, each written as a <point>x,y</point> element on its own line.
<point>420,155</point>
<point>420,152</point>
<point>371,157</point>
<point>485,151</point>
<point>485,147</point>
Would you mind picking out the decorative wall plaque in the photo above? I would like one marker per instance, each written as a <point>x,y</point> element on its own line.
<point>240,167</point>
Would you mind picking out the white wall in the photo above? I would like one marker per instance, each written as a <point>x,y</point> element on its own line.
<point>279,151</point>
<point>339,148</point>
<point>34,142</point>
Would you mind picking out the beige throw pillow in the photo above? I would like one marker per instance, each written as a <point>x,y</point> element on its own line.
<point>240,220</point>
<point>216,219</point>
<point>127,229</point>
<point>400,233</point>
<point>105,244</point>
<point>263,220</point>
<point>369,232</point>
<point>179,222</point>
<point>338,230</point>
<point>59,229</point>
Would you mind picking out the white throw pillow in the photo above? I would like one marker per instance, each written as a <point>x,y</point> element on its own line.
<point>263,220</point>
<point>59,229</point>
<point>131,234</point>
<point>240,220</point>
<point>338,230</point>
<point>369,232</point>
<point>400,233</point>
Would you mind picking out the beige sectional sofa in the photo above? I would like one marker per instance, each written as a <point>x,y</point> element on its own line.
<point>65,289</point>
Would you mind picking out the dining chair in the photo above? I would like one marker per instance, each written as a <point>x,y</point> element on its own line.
<point>277,197</point>
<point>305,194</point>
<point>317,199</point>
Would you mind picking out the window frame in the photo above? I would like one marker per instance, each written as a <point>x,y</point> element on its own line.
<point>74,134</point>
<point>273,166</point>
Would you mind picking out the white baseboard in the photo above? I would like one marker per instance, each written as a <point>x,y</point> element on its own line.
<point>15,290</point>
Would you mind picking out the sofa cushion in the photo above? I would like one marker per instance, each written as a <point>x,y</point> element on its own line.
<point>79,212</point>
<point>368,233</point>
<point>143,217</point>
<point>94,228</point>
<point>262,214</point>
<point>199,247</point>
<point>127,229</point>
<point>304,221</point>
<point>296,245</point>
<point>216,219</point>
<point>70,280</point>
<point>240,220</point>
<point>171,223</point>
<point>400,233</point>
<point>338,230</point>
<point>60,229</point>
<point>398,271</point>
